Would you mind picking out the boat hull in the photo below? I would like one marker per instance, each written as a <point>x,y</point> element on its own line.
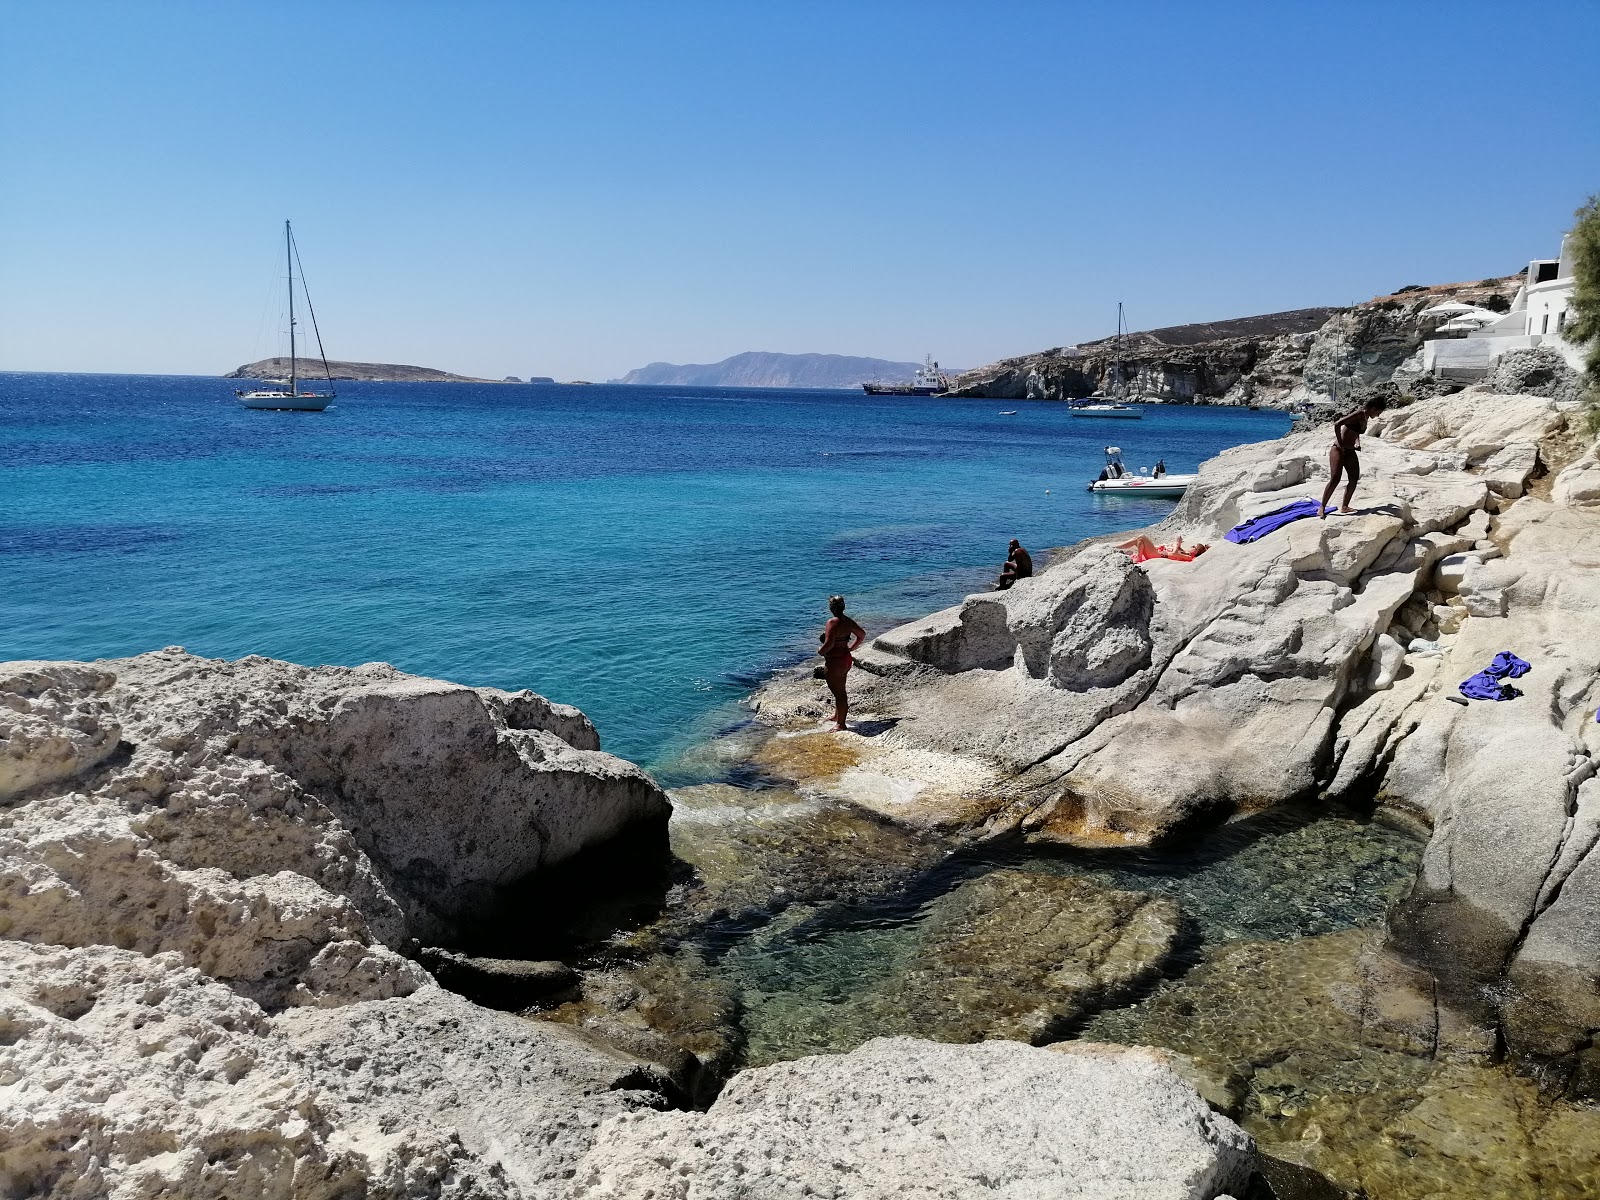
<point>1109,414</point>
<point>283,402</point>
<point>901,389</point>
<point>1168,487</point>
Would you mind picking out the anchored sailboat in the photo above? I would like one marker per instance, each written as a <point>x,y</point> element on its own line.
<point>1112,406</point>
<point>287,396</point>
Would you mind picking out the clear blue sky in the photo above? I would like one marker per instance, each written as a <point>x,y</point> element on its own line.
<point>581,188</point>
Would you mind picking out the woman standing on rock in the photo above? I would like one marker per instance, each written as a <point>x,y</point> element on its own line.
<point>1344,455</point>
<point>840,636</point>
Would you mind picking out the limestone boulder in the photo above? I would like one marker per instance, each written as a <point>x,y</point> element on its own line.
<point>1578,485</point>
<point>920,1120</point>
<point>286,830</point>
<point>1477,424</point>
<point>137,1076</point>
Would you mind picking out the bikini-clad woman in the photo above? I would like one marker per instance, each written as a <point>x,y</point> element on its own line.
<point>1344,457</point>
<point>840,636</point>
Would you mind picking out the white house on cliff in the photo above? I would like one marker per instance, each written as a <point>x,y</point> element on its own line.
<point>1538,317</point>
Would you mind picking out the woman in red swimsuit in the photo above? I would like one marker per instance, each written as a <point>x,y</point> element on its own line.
<point>840,636</point>
<point>1344,457</point>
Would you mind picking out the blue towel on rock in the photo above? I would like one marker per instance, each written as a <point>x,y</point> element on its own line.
<point>1258,527</point>
<point>1489,683</point>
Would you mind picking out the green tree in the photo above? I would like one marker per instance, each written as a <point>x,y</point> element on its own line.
<point>1583,321</point>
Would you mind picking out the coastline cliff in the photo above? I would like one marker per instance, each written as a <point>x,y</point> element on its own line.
<point>1280,360</point>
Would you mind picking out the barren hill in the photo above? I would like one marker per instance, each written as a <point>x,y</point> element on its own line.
<point>278,368</point>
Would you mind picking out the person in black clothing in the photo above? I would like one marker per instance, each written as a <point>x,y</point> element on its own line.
<point>1019,565</point>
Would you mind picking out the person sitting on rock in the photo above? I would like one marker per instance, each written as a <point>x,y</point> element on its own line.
<point>840,636</point>
<point>1344,455</point>
<point>1018,565</point>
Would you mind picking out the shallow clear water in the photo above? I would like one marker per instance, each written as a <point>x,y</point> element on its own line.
<point>1284,875</point>
<point>644,553</point>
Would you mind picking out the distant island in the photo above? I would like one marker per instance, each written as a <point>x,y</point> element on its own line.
<point>311,368</point>
<point>757,368</point>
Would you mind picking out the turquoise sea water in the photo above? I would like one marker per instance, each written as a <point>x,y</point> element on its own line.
<point>644,553</point>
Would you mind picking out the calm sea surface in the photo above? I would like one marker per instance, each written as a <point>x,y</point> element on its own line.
<point>644,553</point>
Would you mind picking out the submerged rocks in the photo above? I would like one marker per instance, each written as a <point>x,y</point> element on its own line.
<point>1021,955</point>
<point>904,1118</point>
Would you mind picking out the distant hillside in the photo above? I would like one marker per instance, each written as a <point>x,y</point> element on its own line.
<point>1299,320</point>
<point>756,368</point>
<point>278,368</point>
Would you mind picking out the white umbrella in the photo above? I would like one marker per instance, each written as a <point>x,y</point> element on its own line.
<point>1472,320</point>
<point>1448,308</point>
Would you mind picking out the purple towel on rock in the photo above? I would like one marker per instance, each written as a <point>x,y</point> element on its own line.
<point>1489,683</point>
<point>1258,527</point>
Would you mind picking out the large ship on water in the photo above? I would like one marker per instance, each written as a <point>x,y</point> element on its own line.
<point>928,381</point>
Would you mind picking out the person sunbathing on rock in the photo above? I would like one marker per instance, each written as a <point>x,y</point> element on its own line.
<point>1142,549</point>
<point>1018,565</point>
<point>1344,455</point>
<point>840,636</point>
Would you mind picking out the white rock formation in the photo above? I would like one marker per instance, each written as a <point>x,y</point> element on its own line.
<point>285,829</point>
<point>1107,711</point>
<point>911,1120</point>
<point>131,1076</point>
<point>209,873</point>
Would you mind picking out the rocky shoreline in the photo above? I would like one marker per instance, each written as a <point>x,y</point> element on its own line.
<point>231,892</point>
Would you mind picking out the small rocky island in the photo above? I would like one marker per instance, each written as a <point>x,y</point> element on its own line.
<point>271,929</point>
<point>310,368</point>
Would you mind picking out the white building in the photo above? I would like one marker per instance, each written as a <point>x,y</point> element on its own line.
<point>1538,317</point>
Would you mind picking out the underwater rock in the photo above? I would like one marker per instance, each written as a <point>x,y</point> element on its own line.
<point>1011,954</point>
<point>915,1119</point>
<point>1334,1043</point>
<point>1021,955</point>
<point>666,1010</point>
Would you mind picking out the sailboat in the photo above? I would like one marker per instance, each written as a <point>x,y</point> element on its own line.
<point>1112,406</point>
<point>287,396</point>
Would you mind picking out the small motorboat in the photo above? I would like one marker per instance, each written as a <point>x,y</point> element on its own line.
<point>1166,487</point>
<point>1008,412</point>
<point>1116,479</point>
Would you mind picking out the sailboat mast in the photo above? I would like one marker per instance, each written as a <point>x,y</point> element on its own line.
<point>288,255</point>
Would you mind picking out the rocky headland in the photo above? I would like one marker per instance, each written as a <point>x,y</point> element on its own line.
<point>1277,360</point>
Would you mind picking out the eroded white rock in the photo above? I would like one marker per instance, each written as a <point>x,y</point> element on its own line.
<point>918,1120</point>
